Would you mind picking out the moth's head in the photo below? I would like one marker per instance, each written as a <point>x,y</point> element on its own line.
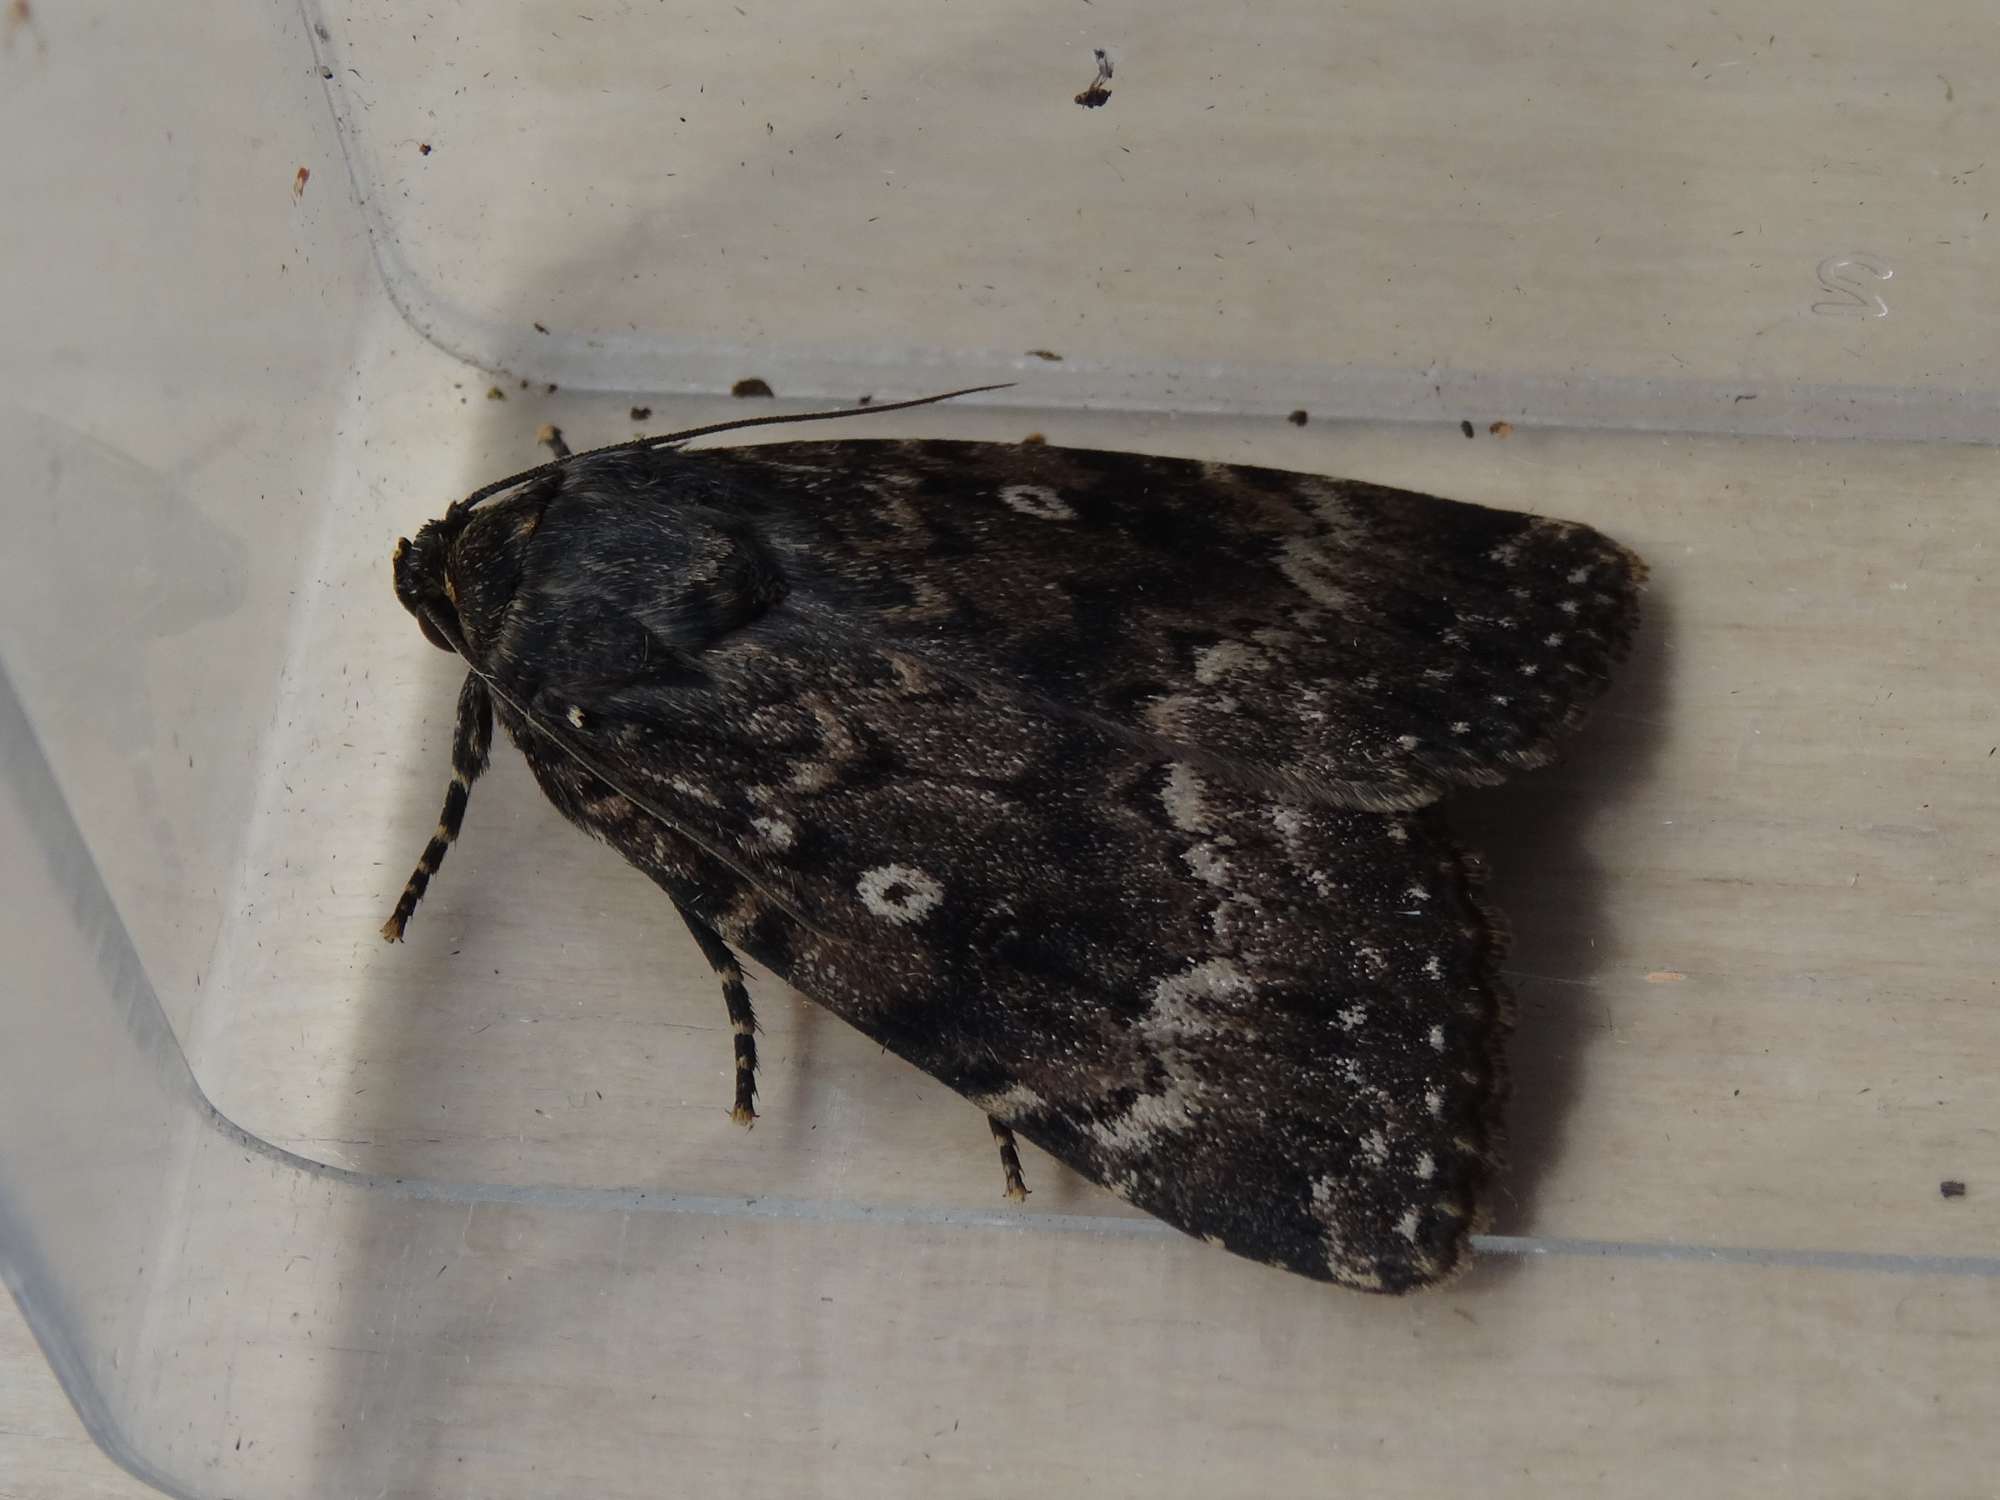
<point>423,583</point>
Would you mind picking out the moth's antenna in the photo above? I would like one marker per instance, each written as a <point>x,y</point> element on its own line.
<point>804,416</point>
<point>669,439</point>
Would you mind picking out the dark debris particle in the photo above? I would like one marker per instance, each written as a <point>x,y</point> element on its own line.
<point>1299,418</point>
<point>641,413</point>
<point>867,400</point>
<point>494,393</point>
<point>541,328</point>
<point>320,31</point>
<point>1046,354</point>
<point>299,182</point>
<point>1097,95</point>
<point>326,72</point>
<point>743,389</point>
<point>1466,428</point>
<point>423,148</point>
<point>1501,429</point>
<point>1951,1188</point>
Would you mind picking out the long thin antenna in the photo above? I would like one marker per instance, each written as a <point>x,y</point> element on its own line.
<point>668,439</point>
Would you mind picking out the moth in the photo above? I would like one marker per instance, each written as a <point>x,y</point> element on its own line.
<point>1096,785</point>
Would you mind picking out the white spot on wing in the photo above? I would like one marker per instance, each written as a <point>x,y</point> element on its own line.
<point>899,893</point>
<point>575,716</point>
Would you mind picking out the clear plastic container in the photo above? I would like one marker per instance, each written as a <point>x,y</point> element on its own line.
<point>295,1213</point>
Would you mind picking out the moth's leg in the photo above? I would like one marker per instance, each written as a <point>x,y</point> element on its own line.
<point>551,438</point>
<point>742,1020</point>
<point>1010,1161</point>
<point>470,742</point>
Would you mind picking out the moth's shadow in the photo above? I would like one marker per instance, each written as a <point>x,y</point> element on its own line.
<point>1544,882</point>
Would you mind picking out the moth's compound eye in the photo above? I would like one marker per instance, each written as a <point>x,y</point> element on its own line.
<point>418,574</point>
<point>432,634</point>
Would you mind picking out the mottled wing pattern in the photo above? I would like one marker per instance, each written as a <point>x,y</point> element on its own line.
<point>1273,1024</point>
<point>1064,775</point>
<point>1367,645</point>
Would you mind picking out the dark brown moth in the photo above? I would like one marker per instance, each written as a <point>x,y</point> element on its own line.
<point>1096,785</point>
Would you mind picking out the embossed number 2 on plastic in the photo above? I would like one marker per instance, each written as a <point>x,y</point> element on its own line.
<point>1846,278</point>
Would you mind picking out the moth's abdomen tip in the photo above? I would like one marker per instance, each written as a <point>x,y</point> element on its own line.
<point>744,1115</point>
<point>392,930</point>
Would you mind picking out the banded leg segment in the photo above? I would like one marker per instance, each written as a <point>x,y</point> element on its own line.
<point>742,1020</point>
<point>471,741</point>
<point>1010,1161</point>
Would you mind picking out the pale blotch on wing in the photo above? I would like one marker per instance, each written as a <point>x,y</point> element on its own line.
<point>899,893</point>
<point>1183,799</point>
<point>1313,575</point>
<point>777,832</point>
<point>575,716</point>
<point>1213,663</point>
<point>1014,1102</point>
<point>1437,1039</point>
<point>1433,1103</point>
<point>1180,1014</point>
<point>1210,866</point>
<point>1036,500</point>
<point>1406,1226</point>
<point>1346,1268</point>
<point>694,790</point>
<point>1426,1166</point>
<point>1375,1146</point>
<point>1433,967</point>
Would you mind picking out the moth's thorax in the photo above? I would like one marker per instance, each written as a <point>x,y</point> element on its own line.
<point>624,569</point>
<point>486,560</point>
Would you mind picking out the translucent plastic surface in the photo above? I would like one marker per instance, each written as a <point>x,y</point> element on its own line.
<point>297,1214</point>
